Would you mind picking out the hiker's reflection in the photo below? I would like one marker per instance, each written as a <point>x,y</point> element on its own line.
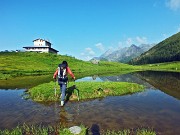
<point>56,108</point>
<point>95,129</point>
<point>78,109</point>
<point>63,116</point>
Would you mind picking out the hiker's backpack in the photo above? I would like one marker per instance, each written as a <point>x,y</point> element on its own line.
<point>62,73</point>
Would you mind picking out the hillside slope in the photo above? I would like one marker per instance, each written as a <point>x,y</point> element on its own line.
<point>125,54</point>
<point>166,51</point>
<point>28,63</point>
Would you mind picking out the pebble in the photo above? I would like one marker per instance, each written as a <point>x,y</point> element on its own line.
<point>75,130</point>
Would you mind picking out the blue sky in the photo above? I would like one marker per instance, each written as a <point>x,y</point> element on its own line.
<point>87,28</point>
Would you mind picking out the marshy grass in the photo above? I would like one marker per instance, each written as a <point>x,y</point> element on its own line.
<point>40,130</point>
<point>142,131</point>
<point>87,90</point>
<point>59,130</point>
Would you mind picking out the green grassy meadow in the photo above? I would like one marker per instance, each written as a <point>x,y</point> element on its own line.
<point>87,90</point>
<point>167,66</point>
<point>14,64</point>
<point>30,63</point>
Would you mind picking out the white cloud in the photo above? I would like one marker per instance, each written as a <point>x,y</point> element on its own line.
<point>173,4</point>
<point>87,54</point>
<point>141,40</point>
<point>110,48</point>
<point>89,51</point>
<point>100,46</point>
<point>129,41</point>
<point>132,40</point>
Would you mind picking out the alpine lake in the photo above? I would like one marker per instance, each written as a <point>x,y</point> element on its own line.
<point>158,107</point>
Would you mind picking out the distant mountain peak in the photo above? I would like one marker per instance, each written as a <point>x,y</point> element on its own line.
<point>125,54</point>
<point>133,45</point>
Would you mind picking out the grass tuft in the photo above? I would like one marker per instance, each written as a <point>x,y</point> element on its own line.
<point>59,130</point>
<point>86,90</point>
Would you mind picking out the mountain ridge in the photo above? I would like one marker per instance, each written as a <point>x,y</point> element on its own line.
<point>166,51</point>
<point>125,54</point>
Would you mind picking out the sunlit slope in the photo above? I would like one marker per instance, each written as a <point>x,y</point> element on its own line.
<point>44,62</point>
<point>166,51</point>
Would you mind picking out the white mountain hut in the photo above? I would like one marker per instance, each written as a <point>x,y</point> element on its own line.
<point>41,45</point>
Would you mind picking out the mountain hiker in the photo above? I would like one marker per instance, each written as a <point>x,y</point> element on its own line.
<point>62,72</point>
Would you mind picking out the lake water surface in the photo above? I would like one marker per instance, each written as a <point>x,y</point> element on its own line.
<point>158,107</point>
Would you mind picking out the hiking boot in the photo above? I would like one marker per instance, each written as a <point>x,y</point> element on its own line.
<point>62,103</point>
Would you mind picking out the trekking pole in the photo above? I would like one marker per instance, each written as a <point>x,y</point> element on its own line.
<point>55,87</point>
<point>77,90</point>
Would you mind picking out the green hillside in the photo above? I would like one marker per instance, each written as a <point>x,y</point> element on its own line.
<point>30,63</point>
<point>166,51</point>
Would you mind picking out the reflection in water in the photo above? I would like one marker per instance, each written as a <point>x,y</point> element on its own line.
<point>131,77</point>
<point>24,82</point>
<point>152,108</point>
<point>95,129</point>
<point>15,110</point>
<point>168,82</point>
<point>148,109</point>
